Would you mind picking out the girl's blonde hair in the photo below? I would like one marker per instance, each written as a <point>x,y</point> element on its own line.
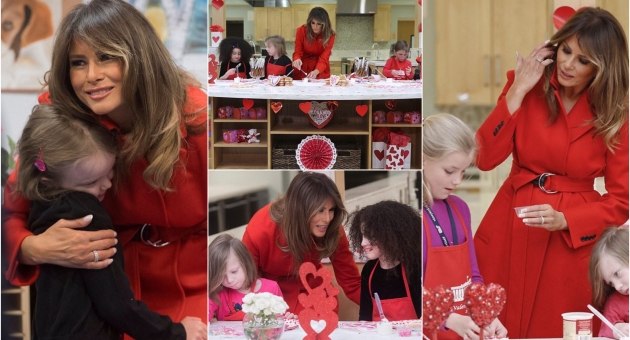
<point>218,252</point>
<point>321,15</point>
<point>614,242</point>
<point>278,42</point>
<point>603,40</point>
<point>154,87</point>
<point>306,195</point>
<point>60,140</point>
<point>444,134</point>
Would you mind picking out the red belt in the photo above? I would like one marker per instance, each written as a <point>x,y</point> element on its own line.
<point>551,183</point>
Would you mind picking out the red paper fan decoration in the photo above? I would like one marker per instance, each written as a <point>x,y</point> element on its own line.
<point>316,153</point>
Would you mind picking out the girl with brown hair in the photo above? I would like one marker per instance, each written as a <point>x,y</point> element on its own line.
<point>304,225</point>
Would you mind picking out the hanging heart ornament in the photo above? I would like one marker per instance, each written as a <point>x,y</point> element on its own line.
<point>319,114</point>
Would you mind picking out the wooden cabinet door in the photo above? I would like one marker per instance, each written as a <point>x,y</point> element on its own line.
<point>300,14</point>
<point>260,23</point>
<point>463,52</point>
<point>382,23</point>
<point>288,28</point>
<point>274,21</point>
<point>332,14</point>
<point>618,8</point>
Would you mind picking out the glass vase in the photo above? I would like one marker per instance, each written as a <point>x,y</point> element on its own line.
<point>263,327</point>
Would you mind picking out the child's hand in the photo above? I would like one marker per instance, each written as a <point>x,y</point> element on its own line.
<point>230,72</point>
<point>495,329</point>
<point>195,329</point>
<point>463,325</point>
<point>408,71</point>
<point>289,315</point>
<point>623,327</point>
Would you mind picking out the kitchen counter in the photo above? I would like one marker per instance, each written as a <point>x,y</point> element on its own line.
<point>357,91</point>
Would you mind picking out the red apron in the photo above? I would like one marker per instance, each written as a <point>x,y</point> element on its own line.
<point>450,267</point>
<point>394,309</point>
<point>236,315</point>
<point>275,70</point>
<point>239,74</point>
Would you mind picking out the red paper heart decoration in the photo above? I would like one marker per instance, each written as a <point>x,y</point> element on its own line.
<point>319,303</point>
<point>379,154</point>
<point>217,4</point>
<point>212,68</point>
<point>248,103</point>
<point>319,115</point>
<point>332,105</point>
<point>391,104</point>
<point>561,15</point>
<point>362,110</point>
<point>484,303</point>
<point>216,39</point>
<point>305,107</point>
<point>437,304</point>
<point>276,106</point>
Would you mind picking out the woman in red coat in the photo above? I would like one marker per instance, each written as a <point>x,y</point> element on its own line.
<point>563,116</point>
<point>159,209</point>
<point>303,226</point>
<point>313,44</point>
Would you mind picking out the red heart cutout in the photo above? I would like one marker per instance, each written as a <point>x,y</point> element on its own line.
<point>362,110</point>
<point>319,115</point>
<point>561,15</point>
<point>314,282</point>
<point>332,105</point>
<point>276,106</point>
<point>307,315</point>
<point>484,303</point>
<point>391,104</point>
<point>216,38</point>
<point>305,107</point>
<point>217,4</point>
<point>248,103</point>
<point>379,154</point>
<point>405,153</point>
<point>437,304</point>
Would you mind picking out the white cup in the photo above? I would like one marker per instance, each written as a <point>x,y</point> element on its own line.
<point>305,80</point>
<point>577,326</point>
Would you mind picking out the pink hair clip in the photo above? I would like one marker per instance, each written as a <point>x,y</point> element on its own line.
<point>39,163</point>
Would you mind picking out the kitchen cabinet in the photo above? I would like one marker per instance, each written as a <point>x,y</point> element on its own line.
<point>300,13</point>
<point>288,26</point>
<point>260,23</point>
<point>476,44</point>
<point>284,21</point>
<point>382,23</point>
<point>619,9</point>
<point>335,67</point>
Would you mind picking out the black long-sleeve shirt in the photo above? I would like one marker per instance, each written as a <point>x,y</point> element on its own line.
<point>388,285</point>
<point>84,303</point>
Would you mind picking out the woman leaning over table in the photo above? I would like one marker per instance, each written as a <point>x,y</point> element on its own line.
<point>130,84</point>
<point>303,226</point>
<point>563,116</point>
<point>313,45</point>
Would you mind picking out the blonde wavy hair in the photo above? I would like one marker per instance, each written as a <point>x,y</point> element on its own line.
<point>604,42</point>
<point>154,87</point>
<point>306,195</point>
<point>218,252</point>
<point>614,242</point>
<point>443,134</point>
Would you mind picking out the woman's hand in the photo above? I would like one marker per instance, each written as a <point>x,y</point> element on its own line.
<point>527,73</point>
<point>544,216</point>
<point>313,74</point>
<point>495,330</point>
<point>63,246</point>
<point>623,327</point>
<point>297,63</point>
<point>195,329</point>
<point>463,325</point>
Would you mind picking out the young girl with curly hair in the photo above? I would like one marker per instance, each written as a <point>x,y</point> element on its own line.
<point>388,233</point>
<point>234,55</point>
<point>608,274</point>
<point>449,256</point>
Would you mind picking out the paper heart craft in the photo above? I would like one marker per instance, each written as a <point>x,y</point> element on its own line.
<point>276,106</point>
<point>274,80</point>
<point>318,318</point>
<point>334,80</point>
<point>437,304</point>
<point>390,104</point>
<point>361,110</point>
<point>248,103</point>
<point>319,115</point>
<point>217,4</point>
<point>484,303</point>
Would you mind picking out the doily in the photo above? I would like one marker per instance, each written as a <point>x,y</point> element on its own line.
<point>316,153</point>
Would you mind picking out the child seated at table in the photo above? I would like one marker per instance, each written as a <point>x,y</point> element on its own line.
<point>232,275</point>
<point>277,63</point>
<point>608,274</point>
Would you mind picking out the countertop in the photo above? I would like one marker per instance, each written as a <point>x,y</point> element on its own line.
<point>357,91</point>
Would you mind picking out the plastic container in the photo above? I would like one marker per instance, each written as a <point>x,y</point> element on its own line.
<point>577,326</point>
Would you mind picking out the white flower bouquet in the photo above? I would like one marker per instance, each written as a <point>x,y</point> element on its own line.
<point>263,319</point>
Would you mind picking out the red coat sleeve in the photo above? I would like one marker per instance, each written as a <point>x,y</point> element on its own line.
<point>300,37</point>
<point>324,59</point>
<point>387,69</point>
<point>494,148</point>
<point>14,230</point>
<point>346,270</point>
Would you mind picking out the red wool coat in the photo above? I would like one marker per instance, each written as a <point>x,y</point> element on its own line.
<point>171,280</point>
<point>274,264</point>
<point>545,273</point>
<point>313,55</point>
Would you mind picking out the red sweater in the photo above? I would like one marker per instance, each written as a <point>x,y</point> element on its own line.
<point>274,264</point>
<point>313,55</point>
<point>393,64</point>
<point>171,280</point>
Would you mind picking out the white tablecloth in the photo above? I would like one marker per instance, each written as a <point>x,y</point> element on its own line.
<point>298,334</point>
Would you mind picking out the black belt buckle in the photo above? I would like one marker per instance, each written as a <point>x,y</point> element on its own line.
<point>540,182</point>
